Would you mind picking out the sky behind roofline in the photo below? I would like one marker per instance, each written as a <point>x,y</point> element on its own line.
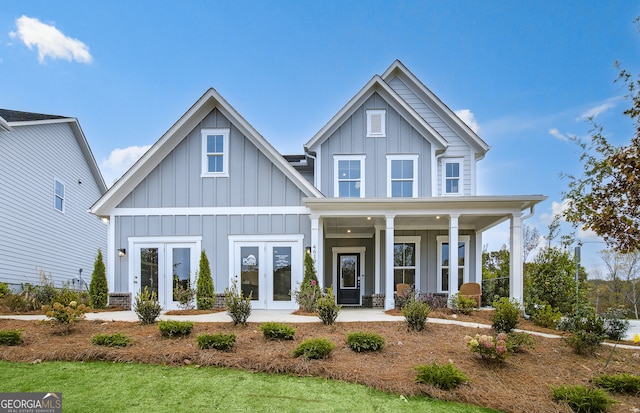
<point>525,75</point>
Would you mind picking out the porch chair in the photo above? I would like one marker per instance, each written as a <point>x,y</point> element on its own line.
<point>401,289</point>
<point>471,290</point>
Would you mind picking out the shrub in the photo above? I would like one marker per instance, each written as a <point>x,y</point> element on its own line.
<point>67,295</point>
<point>205,293</point>
<point>173,328</point>
<point>307,296</point>
<point>517,342</point>
<point>65,316</point>
<point>16,303</point>
<point>434,301</point>
<point>10,337</point>
<point>619,383</point>
<point>238,306</point>
<point>445,376</point>
<point>361,341</point>
<point>277,331</point>
<point>415,314</point>
<point>146,306</point>
<point>327,308</point>
<point>403,297</point>
<point>222,342</point>
<point>183,294</point>
<point>505,317</point>
<point>4,290</point>
<point>587,333</point>
<point>462,304</point>
<point>547,316</point>
<point>583,399</point>
<point>489,348</point>
<point>615,324</point>
<point>111,340</point>
<point>98,290</point>
<point>314,348</point>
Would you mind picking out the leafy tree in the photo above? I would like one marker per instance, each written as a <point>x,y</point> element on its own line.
<point>623,286</point>
<point>495,275</point>
<point>98,289</point>
<point>606,198</point>
<point>204,287</point>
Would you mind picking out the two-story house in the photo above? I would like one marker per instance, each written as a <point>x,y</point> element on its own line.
<point>379,195</point>
<point>49,179</point>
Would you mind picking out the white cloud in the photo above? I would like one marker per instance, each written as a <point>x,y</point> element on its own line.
<point>119,161</point>
<point>467,117</point>
<point>556,134</point>
<point>49,41</point>
<point>599,109</point>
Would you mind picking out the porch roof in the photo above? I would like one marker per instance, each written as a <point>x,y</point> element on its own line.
<point>477,213</point>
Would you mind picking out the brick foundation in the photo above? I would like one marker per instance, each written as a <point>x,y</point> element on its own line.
<point>120,300</point>
<point>373,301</point>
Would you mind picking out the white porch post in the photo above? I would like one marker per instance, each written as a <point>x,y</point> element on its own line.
<point>516,281</point>
<point>478,262</point>
<point>378,259</point>
<point>453,255</point>
<point>389,300</point>
<point>319,258</point>
<point>314,245</point>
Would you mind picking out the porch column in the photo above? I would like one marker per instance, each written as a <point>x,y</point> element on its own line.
<point>516,282</point>
<point>319,255</point>
<point>378,259</point>
<point>453,254</point>
<point>315,246</point>
<point>478,261</point>
<point>389,300</point>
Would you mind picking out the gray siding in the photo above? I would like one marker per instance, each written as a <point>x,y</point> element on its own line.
<point>35,236</point>
<point>458,148</point>
<point>350,139</point>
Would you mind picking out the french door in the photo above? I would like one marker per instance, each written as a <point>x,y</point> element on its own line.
<point>269,271</point>
<point>164,268</point>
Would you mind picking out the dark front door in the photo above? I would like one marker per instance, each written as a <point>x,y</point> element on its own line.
<point>349,279</point>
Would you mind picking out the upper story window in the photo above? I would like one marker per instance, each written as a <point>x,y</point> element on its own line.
<point>452,175</point>
<point>376,123</point>
<point>349,176</point>
<point>58,195</point>
<point>215,152</point>
<point>402,173</point>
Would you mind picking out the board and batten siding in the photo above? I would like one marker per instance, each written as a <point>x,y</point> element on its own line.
<point>458,148</point>
<point>350,139</point>
<point>253,181</point>
<point>35,237</point>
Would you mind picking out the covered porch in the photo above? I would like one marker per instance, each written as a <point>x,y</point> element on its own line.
<point>364,247</point>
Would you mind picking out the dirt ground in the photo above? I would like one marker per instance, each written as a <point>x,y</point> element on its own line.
<point>521,384</point>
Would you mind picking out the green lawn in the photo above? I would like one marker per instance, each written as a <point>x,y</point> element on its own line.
<point>114,387</point>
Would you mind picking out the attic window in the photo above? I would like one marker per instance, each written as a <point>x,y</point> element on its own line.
<point>215,152</point>
<point>376,123</point>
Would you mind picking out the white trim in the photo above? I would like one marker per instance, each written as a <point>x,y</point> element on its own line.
<point>443,169</point>
<point>411,240</point>
<point>414,158</point>
<point>336,178</point>
<point>225,152</point>
<point>334,272</point>
<point>465,273</point>
<point>248,210</point>
<point>371,114</point>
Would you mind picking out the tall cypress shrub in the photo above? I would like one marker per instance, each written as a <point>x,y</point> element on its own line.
<point>204,290</point>
<point>98,290</point>
<point>309,269</point>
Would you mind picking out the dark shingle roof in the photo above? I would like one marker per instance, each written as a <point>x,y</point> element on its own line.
<point>17,116</point>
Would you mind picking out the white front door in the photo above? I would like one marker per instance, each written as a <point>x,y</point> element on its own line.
<point>162,268</point>
<point>268,270</point>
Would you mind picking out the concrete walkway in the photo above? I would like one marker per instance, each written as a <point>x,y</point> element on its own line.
<point>346,315</point>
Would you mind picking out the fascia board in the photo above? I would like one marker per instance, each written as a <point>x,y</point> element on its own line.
<point>88,154</point>
<point>4,125</point>
<point>406,74</point>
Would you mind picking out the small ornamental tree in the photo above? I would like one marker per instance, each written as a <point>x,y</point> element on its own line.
<point>204,288</point>
<point>98,290</point>
<point>309,269</point>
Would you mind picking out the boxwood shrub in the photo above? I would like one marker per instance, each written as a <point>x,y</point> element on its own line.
<point>445,376</point>
<point>361,341</point>
<point>314,348</point>
<point>172,328</point>
<point>111,340</point>
<point>619,383</point>
<point>10,337</point>
<point>277,331</point>
<point>219,341</point>
<point>582,399</point>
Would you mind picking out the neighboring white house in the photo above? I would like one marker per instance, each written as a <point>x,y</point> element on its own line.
<point>48,181</point>
<point>378,196</point>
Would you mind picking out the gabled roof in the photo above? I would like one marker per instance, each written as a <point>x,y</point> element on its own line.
<point>443,111</point>
<point>163,147</point>
<point>378,85</point>
<point>10,119</point>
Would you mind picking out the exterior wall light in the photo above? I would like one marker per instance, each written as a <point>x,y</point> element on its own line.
<point>122,252</point>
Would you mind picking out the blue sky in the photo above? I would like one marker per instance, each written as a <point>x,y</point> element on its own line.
<point>526,74</point>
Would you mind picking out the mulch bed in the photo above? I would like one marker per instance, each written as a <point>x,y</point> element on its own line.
<point>521,384</point>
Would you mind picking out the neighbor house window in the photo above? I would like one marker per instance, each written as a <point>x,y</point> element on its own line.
<point>349,176</point>
<point>444,266</point>
<point>58,195</point>
<point>452,176</point>
<point>406,268</point>
<point>215,152</point>
<point>376,123</point>
<point>402,172</point>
